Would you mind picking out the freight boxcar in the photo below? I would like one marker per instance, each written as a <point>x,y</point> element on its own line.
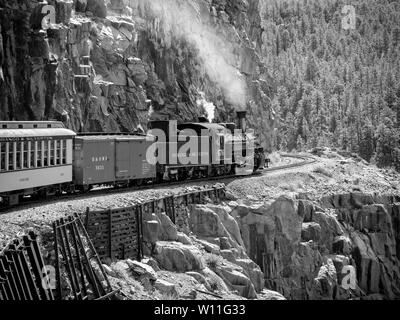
<point>132,164</point>
<point>112,160</point>
<point>94,161</point>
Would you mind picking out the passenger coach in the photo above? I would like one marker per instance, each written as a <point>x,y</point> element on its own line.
<point>33,157</point>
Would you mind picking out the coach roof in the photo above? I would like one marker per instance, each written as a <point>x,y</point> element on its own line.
<point>35,133</point>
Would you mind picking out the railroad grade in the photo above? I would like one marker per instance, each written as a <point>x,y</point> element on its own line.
<point>304,161</point>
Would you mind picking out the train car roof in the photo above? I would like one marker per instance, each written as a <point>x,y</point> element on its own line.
<point>113,137</point>
<point>35,133</point>
<point>202,125</point>
<point>31,125</point>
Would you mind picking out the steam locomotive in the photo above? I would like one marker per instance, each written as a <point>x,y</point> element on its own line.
<point>40,159</point>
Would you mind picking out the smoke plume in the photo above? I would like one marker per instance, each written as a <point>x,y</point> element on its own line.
<point>185,19</point>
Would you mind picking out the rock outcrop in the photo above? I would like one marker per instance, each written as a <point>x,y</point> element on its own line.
<point>100,68</point>
<point>305,249</point>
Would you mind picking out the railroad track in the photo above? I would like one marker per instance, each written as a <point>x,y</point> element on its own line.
<point>305,160</point>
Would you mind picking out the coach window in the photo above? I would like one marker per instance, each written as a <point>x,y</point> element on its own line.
<point>51,155</point>
<point>32,151</point>
<point>25,154</point>
<point>39,154</point>
<point>2,156</point>
<point>11,156</point>
<point>18,155</point>
<point>62,156</point>
<point>64,152</point>
<point>58,152</point>
<point>46,153</point>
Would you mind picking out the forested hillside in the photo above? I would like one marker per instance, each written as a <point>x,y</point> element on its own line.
<point>331,86</point>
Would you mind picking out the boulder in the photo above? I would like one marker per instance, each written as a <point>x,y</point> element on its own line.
<point>209,247</point>
<point>228,221</point>
<point>174,256</point>
<point>151,230</point>
<point>165,287</point>
<point>142,270</point>
<point>198,277</point>
<point>204,222</point>
<point>270,295</point>
<point>237,281</point>
<point>253,271</point>
<point>183,238</point>
<point>311,231</point>
<point>152,263</point>
<point>168,231</point>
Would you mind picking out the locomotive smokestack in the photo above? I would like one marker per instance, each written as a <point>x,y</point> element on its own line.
<point>241,118</point>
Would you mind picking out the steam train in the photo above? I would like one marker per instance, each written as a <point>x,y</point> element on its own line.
<point>40,159</point>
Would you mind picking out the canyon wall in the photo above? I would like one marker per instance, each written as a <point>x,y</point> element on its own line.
<point>112,66</point>
<point>305,248</point>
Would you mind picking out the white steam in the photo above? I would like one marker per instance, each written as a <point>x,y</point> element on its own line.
<point>184,19</point>
<point>208,106</point>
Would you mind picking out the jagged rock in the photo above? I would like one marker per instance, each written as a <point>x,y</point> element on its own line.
<point>174,256</point>
<point>204,222</point>
<point>142,270</point>
<point>151,230</point>
<point>228,222</point>
<point>198,277</point>
<point>342,245</point>
<point>209,247</point>
<point>253,271</point>
<point>63,11</point>
<point>225,244</point>
<point>368,270</point>
<point>215,282</point>
<point>330,227</point>
<point>97,7</point>
<point>137,71</point>
<point>165,287</point>
<point>306,210</point>
<point>228,255</point>
<point>121,268</point>
<point>80,5</point>
<point>168,231</point>
<point>152,263</point>
<point>270,295</point>
<point>183,238</point>
<point>326,281</point>
<point>374,218</point>
<point>311,231</point>
<point>237,281</point>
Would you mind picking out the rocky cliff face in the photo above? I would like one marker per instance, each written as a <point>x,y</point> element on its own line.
<point>303,247</point>
<point>341,247</point>
<point>111,66</point>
